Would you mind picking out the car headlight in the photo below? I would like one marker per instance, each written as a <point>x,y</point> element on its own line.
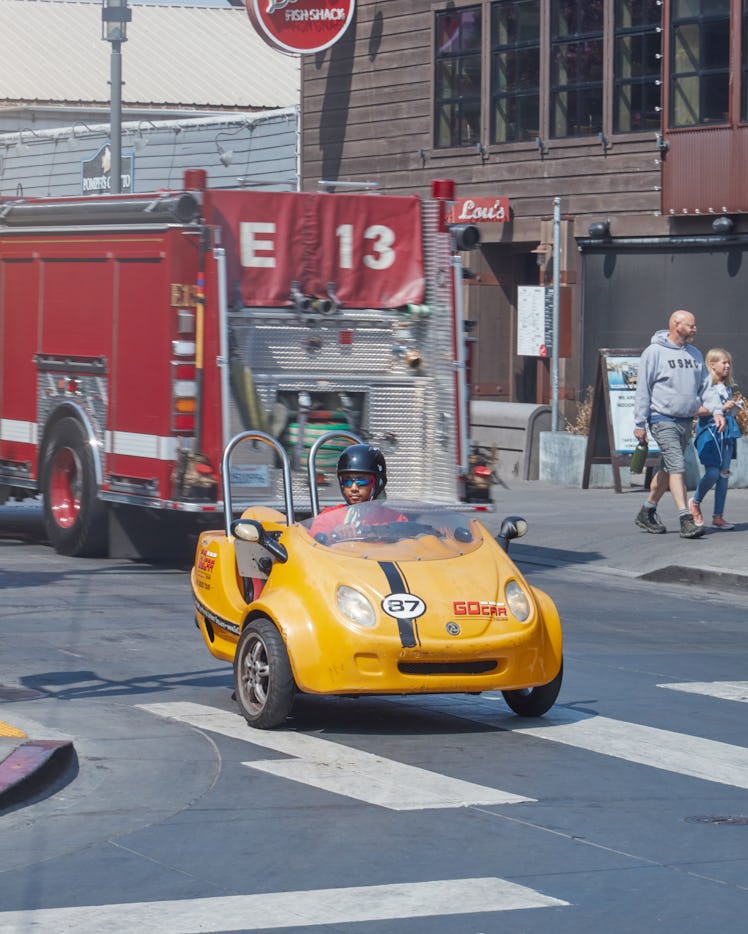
<point>355,607</point>
<point>517,601</point>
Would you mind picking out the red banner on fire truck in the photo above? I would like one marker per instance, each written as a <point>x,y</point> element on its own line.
<point>359,252</point>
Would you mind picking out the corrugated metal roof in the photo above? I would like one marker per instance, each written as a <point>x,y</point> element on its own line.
<point>174,56</point>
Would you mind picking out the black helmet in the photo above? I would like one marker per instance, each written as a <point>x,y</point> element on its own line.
<point>363,458</point>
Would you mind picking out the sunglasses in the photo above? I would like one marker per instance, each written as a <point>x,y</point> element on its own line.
<point>358,481</point>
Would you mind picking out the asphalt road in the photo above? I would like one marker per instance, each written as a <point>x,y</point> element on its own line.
<point>625,809</point>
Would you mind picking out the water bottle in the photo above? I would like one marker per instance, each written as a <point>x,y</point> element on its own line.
<point>639,457</point>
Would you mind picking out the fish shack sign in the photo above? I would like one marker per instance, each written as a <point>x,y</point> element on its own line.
<point>300,27</point>
<point>96,173</point>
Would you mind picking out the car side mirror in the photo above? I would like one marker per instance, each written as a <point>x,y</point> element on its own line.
<point>250,530</point>
<point>512,527</point>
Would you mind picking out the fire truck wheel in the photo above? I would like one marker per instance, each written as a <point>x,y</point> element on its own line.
<point>75,519</point>
<point>263,679</point>
<point>534,702</point>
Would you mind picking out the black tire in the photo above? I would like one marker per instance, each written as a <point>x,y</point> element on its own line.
<point>534,702</point>
<point>74,517</point>
<point>263,680</point>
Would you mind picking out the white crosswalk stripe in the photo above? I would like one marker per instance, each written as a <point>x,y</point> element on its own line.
<point>340,769</point>
<point>285,909</point>
<point>723,690</point>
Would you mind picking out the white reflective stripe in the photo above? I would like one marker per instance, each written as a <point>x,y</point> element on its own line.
<point>183,348</point>
<point>185,388</point>
<point>21,432</point>
<point>723,690</point>
<point>265,911</point>
<point>135,445</point>
<point>338,769</point>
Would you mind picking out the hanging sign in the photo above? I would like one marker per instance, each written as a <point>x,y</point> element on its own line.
<point>300,27</point>
<point>96,172</point>
<point>479,211</point>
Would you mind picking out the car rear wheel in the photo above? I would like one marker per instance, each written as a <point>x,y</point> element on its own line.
<point>263,679</point>
<point>534,702</point>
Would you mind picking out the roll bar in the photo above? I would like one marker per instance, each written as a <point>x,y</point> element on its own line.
<point>226,473</point>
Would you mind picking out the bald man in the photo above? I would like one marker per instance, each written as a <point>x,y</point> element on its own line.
<point>671,381</point>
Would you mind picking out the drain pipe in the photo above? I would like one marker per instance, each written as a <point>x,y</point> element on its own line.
<point>556,290</point>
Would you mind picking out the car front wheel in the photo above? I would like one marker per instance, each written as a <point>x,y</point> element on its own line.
<point>263,679</point>
<point>534,702</point>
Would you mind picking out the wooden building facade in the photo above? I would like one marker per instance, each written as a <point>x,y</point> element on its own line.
<point>634,113</point>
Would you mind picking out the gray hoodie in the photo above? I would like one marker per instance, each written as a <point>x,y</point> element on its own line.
<point>671,381</point>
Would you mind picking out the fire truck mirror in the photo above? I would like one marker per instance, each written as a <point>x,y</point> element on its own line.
<point>464,236</point>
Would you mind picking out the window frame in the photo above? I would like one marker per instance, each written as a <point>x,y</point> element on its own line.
<point>700,73</point>
<point>518,47</point>
<point>438,102</point>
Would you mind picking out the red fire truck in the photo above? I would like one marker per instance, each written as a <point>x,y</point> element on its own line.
<point>139,333</point>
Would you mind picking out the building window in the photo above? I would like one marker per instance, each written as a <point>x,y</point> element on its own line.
<point>576,90</point>
<point>458,77</point>
<point>700,62</point>
<point>637,53</point>
<point>515,70</point>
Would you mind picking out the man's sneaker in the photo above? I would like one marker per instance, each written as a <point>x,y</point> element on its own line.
<point>695,510</point>
<point>648,520</point>
<point>689,529</point>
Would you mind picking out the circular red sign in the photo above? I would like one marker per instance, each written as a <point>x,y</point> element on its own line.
<point>300,27</point>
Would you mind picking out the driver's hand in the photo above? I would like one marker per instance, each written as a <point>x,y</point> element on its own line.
<point>344,533</point>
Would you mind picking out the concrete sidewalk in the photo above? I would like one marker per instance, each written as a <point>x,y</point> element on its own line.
<point>594,529</point>
<point>591,530</point>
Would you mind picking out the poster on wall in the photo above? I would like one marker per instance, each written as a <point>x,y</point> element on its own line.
<point>611,439</point>
<point>534,321</point>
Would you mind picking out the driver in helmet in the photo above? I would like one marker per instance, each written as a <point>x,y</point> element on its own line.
<point>362,475</point>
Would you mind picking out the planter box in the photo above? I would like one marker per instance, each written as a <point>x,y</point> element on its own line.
<point>562,463</point>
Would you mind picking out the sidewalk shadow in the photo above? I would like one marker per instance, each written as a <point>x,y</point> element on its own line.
<point>557,557</point>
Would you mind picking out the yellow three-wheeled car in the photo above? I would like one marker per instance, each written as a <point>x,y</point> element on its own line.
<point>429,603</point>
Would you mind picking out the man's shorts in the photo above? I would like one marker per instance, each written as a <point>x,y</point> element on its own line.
<point>672,438</point>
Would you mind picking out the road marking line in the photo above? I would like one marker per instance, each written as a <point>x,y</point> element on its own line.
<point>339,769</point>
<point>724,690</point>
<point>682,753</point>
<point>286,909</point>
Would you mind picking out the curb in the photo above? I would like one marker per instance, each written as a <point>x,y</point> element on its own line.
<point>31,768</point>
<point>676,574</point>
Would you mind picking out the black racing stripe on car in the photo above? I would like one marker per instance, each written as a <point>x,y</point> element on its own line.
<point>398,584</point>
<point>393,575</point>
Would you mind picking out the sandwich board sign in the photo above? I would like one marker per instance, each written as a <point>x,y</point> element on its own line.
<point>611,439</point>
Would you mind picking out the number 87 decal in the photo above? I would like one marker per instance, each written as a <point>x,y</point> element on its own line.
<point>403,606</point>
<point>381,255</point>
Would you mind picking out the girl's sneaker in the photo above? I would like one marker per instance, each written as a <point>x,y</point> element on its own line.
<point>719,523</point>
<point>695,510</point>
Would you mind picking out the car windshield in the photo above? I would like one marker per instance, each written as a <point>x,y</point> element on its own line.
<point>395,531</point>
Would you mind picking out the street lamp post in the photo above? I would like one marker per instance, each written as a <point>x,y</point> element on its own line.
<point>115,15</point>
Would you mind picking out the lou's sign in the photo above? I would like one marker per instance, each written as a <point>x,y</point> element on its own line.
<point>300,27</point>
<point>479,211</point>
